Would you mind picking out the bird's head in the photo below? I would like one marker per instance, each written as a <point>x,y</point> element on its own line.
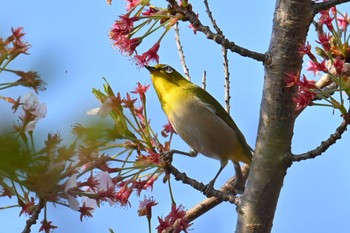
<point>165,72</point>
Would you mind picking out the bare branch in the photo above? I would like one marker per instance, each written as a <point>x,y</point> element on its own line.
<point>190,16</point>
<point>210,15</point>
<point>181,52</point>
<point>227,80</point>
<point>204,80</point>
<point>199,186</point>
<point>326,5</point>
<point>325,144</point>
<point>34,217</point>
<point>209,203</point>
<point>224,54</point>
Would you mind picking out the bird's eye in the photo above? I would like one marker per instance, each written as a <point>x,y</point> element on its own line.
<point>168,69</point>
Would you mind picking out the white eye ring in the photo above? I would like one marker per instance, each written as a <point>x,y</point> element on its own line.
<point>168,69</point>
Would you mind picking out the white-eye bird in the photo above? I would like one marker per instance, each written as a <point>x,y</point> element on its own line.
<point>199,119</point>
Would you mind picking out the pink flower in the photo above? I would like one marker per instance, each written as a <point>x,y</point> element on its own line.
<point>147,160</point>
<point>315,66</point>
<point>307,84</point>
<point>326,19</point>
<point>344,21</point>
<point>104,110</point>
<point>147,57</point>
<point>28,207</point>
<point>167,129</point>
<point>141,90</point>
<point>145,208</point>
<point>304,49</point>
<point>122,196</point>
<point>85,211</point>
<point>128,46</point>
<point>144,184</point>
<point>33,111</point>
<point>139,113</point>
<point>20,45</point>
<point>292,79</point>
<point>131,4</point>
<point>128,102</point>
<point>121,28</point>
<point>305,93</point>
<point>46,226</point>
<point>175,217</point>
<point>304,99</point>
<point>324,40</point>
<point>71,183</point>
<point>338,65</point>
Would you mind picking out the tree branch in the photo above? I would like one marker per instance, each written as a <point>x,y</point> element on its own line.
<point>213,22</point>
<point>326,5</point>
<point>232,198</point>
<point>204,80</point>
<point>227,80</point>
<point>209,203</point>
<point>224,55</point>
<point>325,144</point>
<point>181,52</point>
<point>190,16</point>
<point>34,217</point>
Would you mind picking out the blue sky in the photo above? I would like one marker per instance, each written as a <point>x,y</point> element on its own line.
<point>72,52</point>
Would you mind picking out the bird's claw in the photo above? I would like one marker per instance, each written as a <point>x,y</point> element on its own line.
<point>167,156</point>
<point>238,187</point>
<point>207,188</point>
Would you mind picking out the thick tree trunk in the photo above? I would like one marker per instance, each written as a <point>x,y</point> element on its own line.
<point>292,19</point>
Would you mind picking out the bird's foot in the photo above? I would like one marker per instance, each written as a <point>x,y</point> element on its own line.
<point>238,187</point>
<point>167,156</point>
<point>208,188</point>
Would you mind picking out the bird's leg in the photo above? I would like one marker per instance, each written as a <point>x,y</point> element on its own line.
<point>239,185</point>
<point>168,155</point>
<point>207,188</point>
<point>193,153</point>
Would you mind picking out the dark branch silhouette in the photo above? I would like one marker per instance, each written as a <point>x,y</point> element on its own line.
<point>190,16</point>
<point>326,5</point>
<point>327,143</point>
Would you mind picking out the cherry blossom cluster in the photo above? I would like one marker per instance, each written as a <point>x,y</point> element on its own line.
<point>141,20</point>
<point>10,48</point>
<point>134,169</point>
<point>331,60</point>
<point>104,164</point>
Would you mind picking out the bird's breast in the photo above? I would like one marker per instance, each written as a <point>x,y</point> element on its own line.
<point>199,126</point>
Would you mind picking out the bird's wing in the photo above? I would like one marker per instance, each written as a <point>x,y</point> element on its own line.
<point>214,106</point>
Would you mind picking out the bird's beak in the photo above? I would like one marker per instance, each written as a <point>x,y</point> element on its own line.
<point>150,68</point>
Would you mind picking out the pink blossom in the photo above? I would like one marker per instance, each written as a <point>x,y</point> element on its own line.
<point>344,21</point>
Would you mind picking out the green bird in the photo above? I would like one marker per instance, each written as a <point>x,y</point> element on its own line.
<point>199,119</point>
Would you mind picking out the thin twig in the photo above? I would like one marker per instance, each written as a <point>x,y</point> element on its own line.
<point>224,55</point>
<point>190,16</point>
<point>34,217</point>
<point>181,52</point>
<point>198,185</point>
<point>325,144</point>
<point>213,21</point>
<point>204,80</point>
<point>227,80</point>
<point>326,5</point>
